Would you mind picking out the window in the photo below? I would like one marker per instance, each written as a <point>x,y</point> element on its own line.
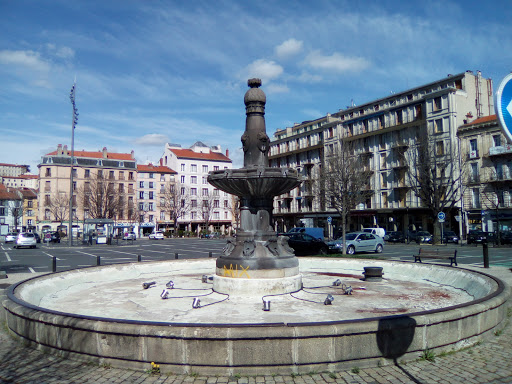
<point>215,192</point>
<point>182,179</point>
<point>384,199</point>
<point>30,204</point>
<point>141,195</point>
<point>130,188</point>
<point>216,215</point>
<point>47,200</point>
<point>216,204</point>
<point>225,215</point>
<point>496,140</point>
<point>215,167</point>
<point>205,180</point>
<point>74,185</point>
<point>121,175</point>
<point>183,191</point>
<point>150,207</point>
<point>2,211</point>
<point>193,191</point>
<point>100,174</point>
<point>30,222</point>
<point>475,198</point>
<point>383,164</point>
<point>151,195</point>
<point>47,186</point>
<point>141,206</point>
<point>141,184</point>
<point>48,172</point>
<point>75,172</point>
<point>474,173</point>
<point>226,204</point>
<point>440,148</point>
<point>151,185</point>
<point>438,126</point>
<point>151,175</point>
<point>111,175</point>
<point>193,180</point>
<point>121,188</point>
<point>205,191</point>
<point>193,167</point>
<point>47,214</point>
<point>205,169</point>
<point>183,202</point>
<point>193,203</point>
<point>438,104</point>
<point>130,176</point>
<point>182,167</point>
<point>162,177</point>
<point>162,215</point>
<point>141,218</point>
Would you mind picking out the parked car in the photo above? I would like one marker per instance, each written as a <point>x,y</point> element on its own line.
<point>411,235</point>
<point>316,232</point>
<point>423,237</point>
<point>38,238</point>
<point>506,237</point>
<point>25,239</point>
<point>450,237</point>
<point>376,231</point>
<point>476,237</point>
<point>357,242</point>
<point>304,244</point>
<point>158,235</point>
<point>11,237</point>
<point>395,237</point>
<point>130,236</point>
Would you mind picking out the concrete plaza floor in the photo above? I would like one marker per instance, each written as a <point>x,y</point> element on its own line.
<point>488,362</point>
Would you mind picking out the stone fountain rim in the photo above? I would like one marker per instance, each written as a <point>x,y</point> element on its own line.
<point>12,296</point>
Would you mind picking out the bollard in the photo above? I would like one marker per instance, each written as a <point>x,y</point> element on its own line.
<point>54,264</point>
<point>176,255</point>
<point>485,249</point>
<point>98,260</point>
<point>210,254</point>
<point>139,258</point>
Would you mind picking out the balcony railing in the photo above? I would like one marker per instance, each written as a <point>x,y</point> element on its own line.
<point>500,150</point>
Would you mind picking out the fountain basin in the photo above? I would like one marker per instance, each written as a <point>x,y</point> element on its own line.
<point>103,314</point>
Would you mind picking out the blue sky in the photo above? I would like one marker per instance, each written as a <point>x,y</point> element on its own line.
<point>151,72</point>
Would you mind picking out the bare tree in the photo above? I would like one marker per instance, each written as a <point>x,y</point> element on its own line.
<point>59,207</point>
<point>494,197</point>
<point>435,174</point>
<point>16,213</point>
<point>344,182</point>
<point>99,197</point>
<point>175,199</point>
<point>209,203</point>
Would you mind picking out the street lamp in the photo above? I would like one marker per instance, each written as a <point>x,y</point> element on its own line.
<point>74,121</point>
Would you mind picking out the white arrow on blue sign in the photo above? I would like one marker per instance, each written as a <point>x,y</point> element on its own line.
<point>503,106</point>
<point>441,216</point>
<point>329,219</point>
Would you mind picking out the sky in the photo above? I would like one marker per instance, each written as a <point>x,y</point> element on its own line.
<point>152,72</point>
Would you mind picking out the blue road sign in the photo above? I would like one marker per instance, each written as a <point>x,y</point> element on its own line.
<point>329,219</point>
<point>503,106</point>
<point>441,216</point>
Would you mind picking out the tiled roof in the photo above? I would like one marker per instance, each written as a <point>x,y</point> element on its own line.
<point>8,193</point>
<point>12,165</point>
<point>190,154</point>
<point>481,120</point>
<point>28,193</point>
<point>97,155</point>
<point>154,168</point>
<point>26,177</point>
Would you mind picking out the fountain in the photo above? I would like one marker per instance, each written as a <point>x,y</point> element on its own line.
<point>215,317</point>
<point>259,261</point>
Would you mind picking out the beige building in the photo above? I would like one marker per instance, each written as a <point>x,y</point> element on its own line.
<point>385,132</point>
<point>91,171</point>
<point>488,182</point>
<point>30,209</point>
<point>13,169</point>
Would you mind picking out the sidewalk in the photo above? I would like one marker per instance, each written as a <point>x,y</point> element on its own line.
<point>488,362</point>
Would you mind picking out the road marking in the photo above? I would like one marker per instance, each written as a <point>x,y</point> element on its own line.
<point>126,253</point>
<point>31,270</point>
<point>7,255</point>
<point>47,254</point>
<point>88,254</point>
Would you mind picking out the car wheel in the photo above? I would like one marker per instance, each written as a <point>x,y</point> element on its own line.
<point>351,250</point>
<point>378,249</point>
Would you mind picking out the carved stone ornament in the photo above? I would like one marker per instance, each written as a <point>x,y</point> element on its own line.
<point>230,245</point>
<point>263,142</point>
<point>249,248</point>
<point>282,241</point>
<point>271,245</point>
<point>245,143</point>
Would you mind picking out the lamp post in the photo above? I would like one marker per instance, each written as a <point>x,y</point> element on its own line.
<point>74,121</point>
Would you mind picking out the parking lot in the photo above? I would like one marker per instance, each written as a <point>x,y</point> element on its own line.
<point>41,259</point>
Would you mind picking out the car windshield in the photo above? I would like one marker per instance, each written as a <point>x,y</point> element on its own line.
<point>423,234</point>
<point>348,236</point>
<point>449,233</point>
<point>27,234</point>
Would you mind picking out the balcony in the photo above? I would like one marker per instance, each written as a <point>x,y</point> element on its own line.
<point>499,177</point>
<point>473,179</point>
<point>400,164</point>
<point>500,150</point>
<point>473,155</point>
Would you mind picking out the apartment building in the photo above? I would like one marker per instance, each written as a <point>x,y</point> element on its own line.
<point>385,132</point>
<point>205,208</point>
<point>487,155</point>
<point>302,147</point>
<point>154,184</point>
<point>92,172</point>
<point>10,207</point>
<point>22,181</point>
<point>30,211</point>
<point>13,169</point>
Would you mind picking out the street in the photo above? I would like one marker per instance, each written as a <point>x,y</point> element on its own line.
<point>41,259</point>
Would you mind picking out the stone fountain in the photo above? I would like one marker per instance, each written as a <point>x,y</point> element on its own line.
<point>258,261</point>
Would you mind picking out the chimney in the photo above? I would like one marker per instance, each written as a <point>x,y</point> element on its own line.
<point>65,150</point>
<point>227,153</point>
<point>104,152</point>
<point>133,154</point>
<point>59,149</point>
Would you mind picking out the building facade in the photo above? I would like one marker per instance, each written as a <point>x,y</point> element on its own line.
<point>487,202</point>
<point>384,133</point>
<point>205,208</point>
<point>155,185</point>
<point>13,169</point>
<point>10,210</point>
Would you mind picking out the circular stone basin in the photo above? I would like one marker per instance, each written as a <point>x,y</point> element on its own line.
<point>104,314</point>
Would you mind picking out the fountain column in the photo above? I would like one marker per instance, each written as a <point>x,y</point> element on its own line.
<point>258,261</point>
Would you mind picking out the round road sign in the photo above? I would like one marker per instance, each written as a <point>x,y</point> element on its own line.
<point>441,216</point>
<point>503,106</point>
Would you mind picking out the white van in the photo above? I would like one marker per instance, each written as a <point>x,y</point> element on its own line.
<point>381,232</point>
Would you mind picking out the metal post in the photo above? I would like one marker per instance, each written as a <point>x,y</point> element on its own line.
<point>210,254</point>
<point>139,258</point>
<point>74,120</point>
<point>54,264</point>
<point>485,250</point>
<point>98,260</point>
<point>176,255</point>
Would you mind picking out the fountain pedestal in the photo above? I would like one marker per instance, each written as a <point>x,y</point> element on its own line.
<point>257,261</point>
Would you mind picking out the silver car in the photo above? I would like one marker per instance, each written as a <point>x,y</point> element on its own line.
<point>10,237</point>
<point>26,239</point>
<point>358,242</point>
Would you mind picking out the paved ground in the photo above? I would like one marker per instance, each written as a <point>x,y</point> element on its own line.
<point>488,362</point>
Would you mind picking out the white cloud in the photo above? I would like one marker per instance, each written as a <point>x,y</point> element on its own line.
<point>65,53</point>
<point>152,139</point>
<point>306,77</point>
<point>290,47</point>
<point>335,62</point>
<point>266,70</point>
<point>28,59</point>
<point>276,88</point>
